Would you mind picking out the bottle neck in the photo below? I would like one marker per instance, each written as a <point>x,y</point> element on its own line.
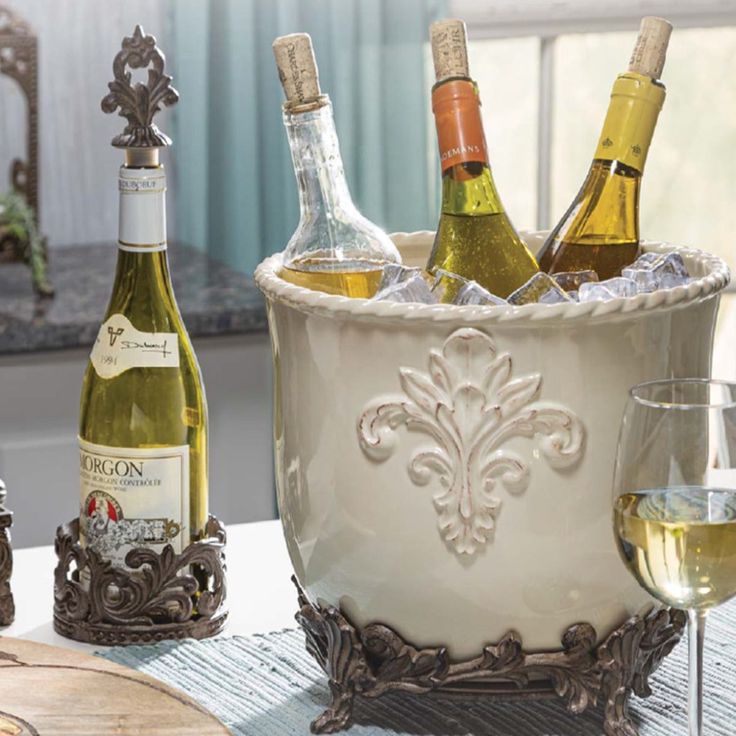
<point>630,121</point>
<point>142,212</point>
<point>467,183</point>
<point>318,166</point>
<point>142,270</point>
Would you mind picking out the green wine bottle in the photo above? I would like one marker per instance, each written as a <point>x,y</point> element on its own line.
<point>475,237</point>
<point>600,230</point>
<point>143,413</point>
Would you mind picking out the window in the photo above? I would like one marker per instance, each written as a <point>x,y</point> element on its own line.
<point>545,70</point>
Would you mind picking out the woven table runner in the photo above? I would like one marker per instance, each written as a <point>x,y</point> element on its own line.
<point>268,685</point>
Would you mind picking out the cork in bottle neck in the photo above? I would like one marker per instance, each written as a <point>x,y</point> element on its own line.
<point>298,72</point>
<point>449,41</point>
<point>650,50</point>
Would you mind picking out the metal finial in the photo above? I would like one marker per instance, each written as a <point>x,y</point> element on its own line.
<point>140,102</point>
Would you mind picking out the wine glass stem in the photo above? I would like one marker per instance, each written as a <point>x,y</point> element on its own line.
<point>696,638</point>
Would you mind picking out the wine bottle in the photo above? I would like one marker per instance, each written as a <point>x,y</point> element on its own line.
<point>600,230</point>
<point>334,248</point>
<point>475,237</point>
<point>143,413</point>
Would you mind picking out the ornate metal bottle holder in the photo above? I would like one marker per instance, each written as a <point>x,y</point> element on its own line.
<point>162,596</point>
<point>376,660</point>
<point>7,605</point>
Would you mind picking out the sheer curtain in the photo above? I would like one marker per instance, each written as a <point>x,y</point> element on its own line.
<point>236,192</point>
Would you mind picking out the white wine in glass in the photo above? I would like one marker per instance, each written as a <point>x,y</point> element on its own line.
<point>675,503</point>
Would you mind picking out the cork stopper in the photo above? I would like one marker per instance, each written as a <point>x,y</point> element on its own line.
<point>651,47</point>
<point>298,71</point>
<point>449,48</point>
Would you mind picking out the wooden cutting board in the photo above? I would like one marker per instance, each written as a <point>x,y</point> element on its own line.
<point>49,691</point>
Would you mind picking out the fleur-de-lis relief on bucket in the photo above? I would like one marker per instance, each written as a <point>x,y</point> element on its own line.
<point>470,406</point>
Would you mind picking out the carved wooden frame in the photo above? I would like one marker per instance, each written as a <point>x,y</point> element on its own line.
<point>7,605</point>
<point>19,61</point>
<point>162,596</point>
<point>376,660</point>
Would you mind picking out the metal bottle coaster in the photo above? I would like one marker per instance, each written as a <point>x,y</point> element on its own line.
<point>158,598</point>
<point>375,660</point>
<point>7,605</point>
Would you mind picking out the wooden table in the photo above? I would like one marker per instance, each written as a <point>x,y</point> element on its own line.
<point>261,596</point>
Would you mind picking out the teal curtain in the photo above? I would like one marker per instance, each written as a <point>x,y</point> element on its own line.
<point>235,189</point>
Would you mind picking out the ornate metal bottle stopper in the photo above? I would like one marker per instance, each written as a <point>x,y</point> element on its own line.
<point>138,103</point>
<point>7,606</point>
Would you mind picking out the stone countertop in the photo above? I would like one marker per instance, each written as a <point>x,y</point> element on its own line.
<point>213,299</point>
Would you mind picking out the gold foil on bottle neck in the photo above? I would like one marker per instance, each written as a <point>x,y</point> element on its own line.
<point>449,40</point>
<point>650,50</point>
<point>141,158</point>
<point>298,72</point>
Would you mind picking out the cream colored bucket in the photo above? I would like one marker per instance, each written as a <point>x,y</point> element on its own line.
<point>447,470</point>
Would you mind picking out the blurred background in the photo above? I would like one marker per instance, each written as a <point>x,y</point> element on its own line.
<point>544,68</point>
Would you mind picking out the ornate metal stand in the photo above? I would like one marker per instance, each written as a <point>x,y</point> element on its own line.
<point>7,606</point>
<point>162,596</point>
<point>376,659</point>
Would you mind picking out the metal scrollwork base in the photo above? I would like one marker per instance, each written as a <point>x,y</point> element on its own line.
<point>162,596</point>
<point>376,659</point>
<point>7,605</point>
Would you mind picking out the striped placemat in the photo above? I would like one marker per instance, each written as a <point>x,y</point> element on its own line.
<point>267,685</point>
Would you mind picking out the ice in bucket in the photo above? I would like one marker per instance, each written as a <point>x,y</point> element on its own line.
<point>571,280</point>
<point>413,289</point>
<point>608,289</point>
<point>540,289</point>
<point>653,271</point>
<point>474,293</point>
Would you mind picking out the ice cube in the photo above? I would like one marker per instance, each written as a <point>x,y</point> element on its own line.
<point>447,285</point>
<point>608,289</point>
<point>474,293</point>
<point>653,271</point>
<point>571,280</point>
<point>540,289</point>
<point>645,259</point>
<point>414,289</point>
<point>395,273</point>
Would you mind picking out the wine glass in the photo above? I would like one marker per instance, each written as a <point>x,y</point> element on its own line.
<point>675,503</point>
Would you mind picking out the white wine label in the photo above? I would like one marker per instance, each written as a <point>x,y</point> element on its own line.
<point>119,346</point>
<point>133,498</point>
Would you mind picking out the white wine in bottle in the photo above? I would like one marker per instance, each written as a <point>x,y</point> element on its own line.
<point>600,230</point>
<point>475,237</point>
<point>143,414</point>
<point>334,248</point>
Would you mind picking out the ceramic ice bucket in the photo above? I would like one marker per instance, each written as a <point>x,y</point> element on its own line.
<point>447,470</point>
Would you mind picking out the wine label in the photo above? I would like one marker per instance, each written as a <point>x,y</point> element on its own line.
<point>133,498</point>
<point>630,120</point>
<point>119,346</point>
<point>456,108</point>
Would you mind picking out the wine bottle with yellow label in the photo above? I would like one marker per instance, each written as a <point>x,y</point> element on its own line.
<point>143,414</point>
<point>334,248</point>
<point>600,230</point>
<point>475,237</point>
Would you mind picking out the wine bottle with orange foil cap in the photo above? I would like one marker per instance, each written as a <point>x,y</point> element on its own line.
<point>334,248</point>
<point>475,237</point>
<point>600,230</point>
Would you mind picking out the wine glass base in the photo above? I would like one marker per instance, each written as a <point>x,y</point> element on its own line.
<point>375,660</point>
<point>165,596</point>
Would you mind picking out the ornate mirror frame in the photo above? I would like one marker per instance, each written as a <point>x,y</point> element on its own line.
<point>19,60</point>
